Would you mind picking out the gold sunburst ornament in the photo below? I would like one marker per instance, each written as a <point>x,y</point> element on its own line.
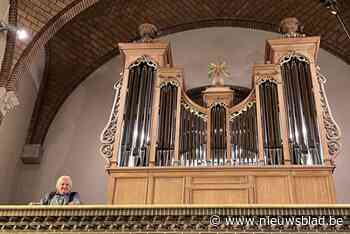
<point>217,72</point>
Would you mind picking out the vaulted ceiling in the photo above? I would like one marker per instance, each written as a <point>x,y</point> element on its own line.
<point>90,34</point>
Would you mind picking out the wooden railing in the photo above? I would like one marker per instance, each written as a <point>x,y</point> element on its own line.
<point>172,219</point>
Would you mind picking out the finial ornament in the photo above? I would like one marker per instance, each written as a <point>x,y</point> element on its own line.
<point>147,32</point>
<point>217,72</point>
<point>291,27</point>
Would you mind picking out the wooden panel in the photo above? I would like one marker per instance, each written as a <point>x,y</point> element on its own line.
<point>272,189</point>
<point>169,190</point>
<point>222,196</point>
<point>220,180</point>
<point>111,189</point>
<point>131,191</point>
<point>218,186</point>
<point>227,185</point>
<point>312,189</point>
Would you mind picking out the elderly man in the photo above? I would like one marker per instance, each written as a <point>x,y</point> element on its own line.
<point>63,194</point>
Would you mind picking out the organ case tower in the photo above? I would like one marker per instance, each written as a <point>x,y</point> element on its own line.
<point>278,145</point>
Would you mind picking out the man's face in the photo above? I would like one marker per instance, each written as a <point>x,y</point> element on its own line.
<point>64,186</point>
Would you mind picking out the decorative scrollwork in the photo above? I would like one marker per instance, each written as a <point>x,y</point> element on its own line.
<point>144,59</point>
<point>107,137</point>
<point>244,108</point>
<point>293,54</point>
<point>194,110</point>
<point>333,132</point>
<point>218,102</point>
<point>170,81</point>
<point>8,100</point>
<point>264,77</point>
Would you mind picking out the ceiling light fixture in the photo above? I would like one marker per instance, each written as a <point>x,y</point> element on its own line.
<point>20,33</point>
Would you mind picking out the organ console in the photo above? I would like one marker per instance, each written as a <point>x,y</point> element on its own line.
<point>278,145</point>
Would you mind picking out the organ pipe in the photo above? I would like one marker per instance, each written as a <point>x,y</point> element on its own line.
<point>218,135</point>
<point>303,134</point>
<point>244,136</point>
<point>134,146</point>
<point>272,141</point>
<point>193,132</point>
<point>166,128</point>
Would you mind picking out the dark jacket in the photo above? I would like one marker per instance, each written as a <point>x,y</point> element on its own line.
<point>54,198</point>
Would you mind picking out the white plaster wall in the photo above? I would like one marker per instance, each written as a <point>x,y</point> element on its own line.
<point>13,130</point>
<point>71,146</point>
<point>72,143</point>
<point>4,7</point>
<point>240,48</point>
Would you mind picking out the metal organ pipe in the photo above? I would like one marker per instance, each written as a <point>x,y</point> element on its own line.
<point>273,152</point>
<point>134,146</point>
<point>303,137</point>
<point>218,135</point>
<point>193,131</point>
<point>166,128</point>
<point>243,130</point>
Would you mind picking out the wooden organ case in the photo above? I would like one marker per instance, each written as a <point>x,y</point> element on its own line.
<point>272,147</point>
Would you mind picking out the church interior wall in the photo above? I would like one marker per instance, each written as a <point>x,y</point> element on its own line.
<point>13,130</point>
<point>71,146</point>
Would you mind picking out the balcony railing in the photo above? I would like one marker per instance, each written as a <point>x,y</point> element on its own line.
<point>175,219</point>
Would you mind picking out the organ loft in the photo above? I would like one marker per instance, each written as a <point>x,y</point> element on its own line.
<point>274,143</point>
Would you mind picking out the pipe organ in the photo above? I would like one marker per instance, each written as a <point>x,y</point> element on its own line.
<point>273,152</point>
<point>162,147</point>
<point>303,139</point>
<point>218,134</point>
<point>134,145</point>
<point>167,125</point>
<point>243,132</point>
<point>193,135</point>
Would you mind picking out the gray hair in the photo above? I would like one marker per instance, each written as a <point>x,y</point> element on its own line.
<point>62,178</point>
